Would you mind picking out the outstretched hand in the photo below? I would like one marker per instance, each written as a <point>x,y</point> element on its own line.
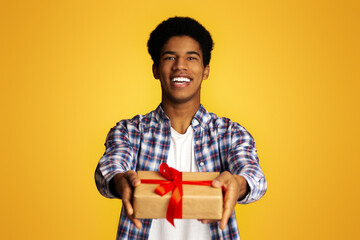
<point>235,188</point>
<point>124,184</point>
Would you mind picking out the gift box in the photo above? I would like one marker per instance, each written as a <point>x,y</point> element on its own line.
<point>198,201</point>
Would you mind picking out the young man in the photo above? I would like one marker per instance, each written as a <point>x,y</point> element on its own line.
<point>183,134</point>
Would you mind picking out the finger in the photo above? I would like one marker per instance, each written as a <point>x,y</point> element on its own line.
<point>204,221</point>
<point>216,183</point>
<point>132,177</point>
<point>129,181</point>
<point>126,199</point>
<point>221,180</point>
<point>135,221</point>
<point>229,204</point>
<point>225,217</point>
<point>126,191</point>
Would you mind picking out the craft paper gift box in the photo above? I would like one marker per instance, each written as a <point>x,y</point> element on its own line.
<point>199,202</point>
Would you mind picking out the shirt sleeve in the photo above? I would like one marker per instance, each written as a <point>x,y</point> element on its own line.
<point>244,161</point>
<point>117,158</point>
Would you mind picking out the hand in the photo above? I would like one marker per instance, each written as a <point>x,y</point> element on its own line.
<point>124,184</point>
<point>236,188</point>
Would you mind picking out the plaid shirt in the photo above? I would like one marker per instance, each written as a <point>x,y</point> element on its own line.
<point>143,143</point>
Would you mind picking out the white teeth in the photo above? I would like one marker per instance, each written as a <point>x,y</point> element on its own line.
<point>180,79</point>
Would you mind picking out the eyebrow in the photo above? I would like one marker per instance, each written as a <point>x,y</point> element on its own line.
<point>173,53</point>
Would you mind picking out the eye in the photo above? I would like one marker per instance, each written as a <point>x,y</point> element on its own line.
<point>169,58</point>
<point>192,58</point>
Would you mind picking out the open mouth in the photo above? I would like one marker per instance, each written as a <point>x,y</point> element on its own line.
<point>180,80</point>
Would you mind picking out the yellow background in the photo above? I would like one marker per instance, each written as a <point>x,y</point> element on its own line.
<point>286,70</point>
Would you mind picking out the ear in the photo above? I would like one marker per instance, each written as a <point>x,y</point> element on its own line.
<point>206,72</point>
<point>155,70</point>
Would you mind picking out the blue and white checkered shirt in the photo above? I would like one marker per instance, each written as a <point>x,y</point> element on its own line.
<point>143,143</point>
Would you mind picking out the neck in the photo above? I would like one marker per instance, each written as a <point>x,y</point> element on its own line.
<point>180,115</point>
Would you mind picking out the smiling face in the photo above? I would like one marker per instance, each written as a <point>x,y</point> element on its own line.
<point>181,71</point>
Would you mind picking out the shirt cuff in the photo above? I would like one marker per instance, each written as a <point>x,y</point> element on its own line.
<point>248,197</point>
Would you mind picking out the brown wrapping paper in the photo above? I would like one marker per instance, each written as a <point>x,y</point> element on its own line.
<point>199,202</point>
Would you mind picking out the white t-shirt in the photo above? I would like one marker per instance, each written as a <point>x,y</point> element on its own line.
<point>181,157</point>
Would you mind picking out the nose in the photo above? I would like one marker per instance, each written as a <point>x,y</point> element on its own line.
<point>180,64</point>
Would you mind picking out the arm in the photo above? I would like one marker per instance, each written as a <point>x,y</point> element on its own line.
<point>118,158</point>
<point>123,185</point>
<point>235,188</point>
<point>244,162</point>
<point>114,175</point>
<point>244,182</point>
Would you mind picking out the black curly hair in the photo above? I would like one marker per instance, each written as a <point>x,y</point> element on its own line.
<point>179,26</point>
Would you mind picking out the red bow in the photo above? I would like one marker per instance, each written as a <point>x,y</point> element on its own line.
<point>175,183</point>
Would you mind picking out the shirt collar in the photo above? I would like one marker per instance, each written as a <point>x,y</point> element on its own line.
<point>201,117</point>
<point>160,115</point>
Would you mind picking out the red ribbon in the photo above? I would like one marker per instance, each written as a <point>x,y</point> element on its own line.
<point>174,184</point>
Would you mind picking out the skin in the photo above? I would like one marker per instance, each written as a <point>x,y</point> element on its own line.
<point>181,56</point>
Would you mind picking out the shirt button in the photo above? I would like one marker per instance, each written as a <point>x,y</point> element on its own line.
<point>202,164</point>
